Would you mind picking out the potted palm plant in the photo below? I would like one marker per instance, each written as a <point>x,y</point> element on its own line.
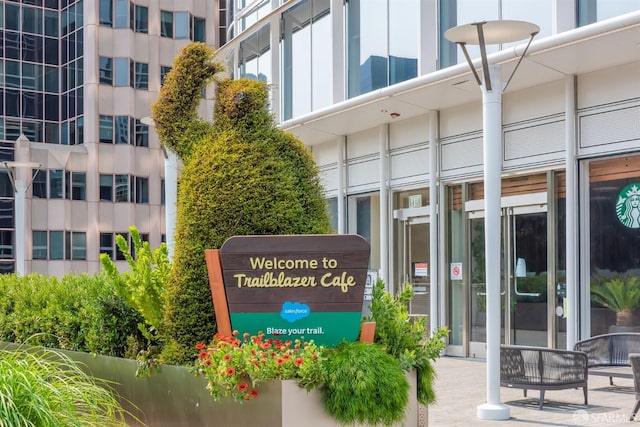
<point>622,295</point>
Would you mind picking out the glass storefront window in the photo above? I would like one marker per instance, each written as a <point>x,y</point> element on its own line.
<point>614,227</point>
<point>455,289</point>
<point>364,219</point>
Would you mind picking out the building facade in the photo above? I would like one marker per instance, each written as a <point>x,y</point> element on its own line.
<point>393,116</point>
<point>77,78</point>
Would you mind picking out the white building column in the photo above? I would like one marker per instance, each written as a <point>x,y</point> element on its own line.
<point>170,198</point>
<point>571,279</point>
<point>385,251</point>
<point>434,289</point>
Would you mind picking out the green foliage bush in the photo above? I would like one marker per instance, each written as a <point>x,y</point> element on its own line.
<point>244,177</point>
<point>407,338</point>
<point>76,312</point>
<point>363,384</point>
<point>41,387</point>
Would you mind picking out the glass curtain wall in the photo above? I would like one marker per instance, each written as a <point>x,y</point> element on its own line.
<point>306,56</point>
<point>614,239</point>
<point>459,12</point>
<point>255,56</point>
<point>590,11</point>
<point>382,43</point>
<point>364,219</point>
<point>455,282</point>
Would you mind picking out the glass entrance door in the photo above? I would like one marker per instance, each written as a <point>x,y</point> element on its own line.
<point>524,264</point>
<point>413,260</point>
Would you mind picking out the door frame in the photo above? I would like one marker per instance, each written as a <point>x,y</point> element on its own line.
<point>519,204</point>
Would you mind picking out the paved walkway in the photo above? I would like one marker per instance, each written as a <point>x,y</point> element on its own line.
<point>461,387</point>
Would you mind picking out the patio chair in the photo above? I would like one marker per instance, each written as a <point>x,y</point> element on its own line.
<point>634,359</point>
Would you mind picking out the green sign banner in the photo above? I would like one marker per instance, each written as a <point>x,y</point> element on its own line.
<point>296,287</point>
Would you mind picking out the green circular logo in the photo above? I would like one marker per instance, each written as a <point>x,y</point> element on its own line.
<point>628,206</point>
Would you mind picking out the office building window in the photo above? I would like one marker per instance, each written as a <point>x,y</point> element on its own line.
<point>106,12</point>
<point>107,245</point>
<point>106,129</point>
<point>56,245</point>
<point>40,245</point>
<point>76,185</point>
<point>106,70</point>
<point>6,244</point>
<point>122,188</point>
<point>139,18</point>
<point>199,30</point>
<point>162,191</point>
<point>164,70</point>
<point>78,242</point>
<point>121,130</point>
<point>121,71</point>
<point>39,184</point>
<point>121,13</point>
<point>139,75</point>
<point>142,134</point>
<point>56,187</point>
<point>106,188</point>
<point>181,20</point>
<point>166,24</point>
<point>141,189</point>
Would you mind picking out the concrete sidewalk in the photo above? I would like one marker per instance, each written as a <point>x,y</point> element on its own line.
<point>461,387</point>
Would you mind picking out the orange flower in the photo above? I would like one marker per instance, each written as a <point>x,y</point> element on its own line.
<point>227,357</point>
<point>265,345</point>
<point>200,346</point>
<point>203,355</point>
<point>231,371</point>
<point>280,361</point>
<point>299,361</point>
<point>208,362</point>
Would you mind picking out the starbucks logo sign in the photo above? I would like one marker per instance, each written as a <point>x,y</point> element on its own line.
<point>628,206</point>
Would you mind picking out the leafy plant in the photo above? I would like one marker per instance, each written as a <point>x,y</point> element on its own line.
<point>406,338</point>
<point>75,312</point>
<point>40,387</point>
<point>363,384</point>
<point>142,288</point>
<point>235,367</point>
<point>620,294</point>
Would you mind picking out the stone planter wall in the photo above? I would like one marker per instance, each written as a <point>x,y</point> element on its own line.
<point>176,397</point>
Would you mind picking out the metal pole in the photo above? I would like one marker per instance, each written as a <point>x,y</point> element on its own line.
<point>492,151</point>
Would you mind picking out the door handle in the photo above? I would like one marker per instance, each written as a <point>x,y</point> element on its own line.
<point>525,294</point>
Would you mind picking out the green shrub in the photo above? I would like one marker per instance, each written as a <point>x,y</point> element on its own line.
<point>76,312</point>
<point>245,177</point>
<point>363,384</point>
<point>406,337</point>
<point>40,387</point>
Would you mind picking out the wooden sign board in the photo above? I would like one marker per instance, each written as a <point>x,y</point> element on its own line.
<point>303,286</point>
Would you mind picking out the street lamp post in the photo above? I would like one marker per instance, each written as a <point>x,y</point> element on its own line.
<point>481,34</point>
<point>20,181</point>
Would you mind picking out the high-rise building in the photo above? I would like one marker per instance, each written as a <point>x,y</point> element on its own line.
<point>394,117</point>
<point>77,77</point>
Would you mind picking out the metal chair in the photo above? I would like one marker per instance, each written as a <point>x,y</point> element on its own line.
<point>634,359</point>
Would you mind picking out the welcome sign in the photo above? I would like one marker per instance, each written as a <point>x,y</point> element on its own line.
<point>290,287</point>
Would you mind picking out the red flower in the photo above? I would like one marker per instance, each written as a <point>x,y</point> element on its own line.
<point>227,357</point>
<point>242,386</point>
<point>286,357</point>
<point>231,371</point>
<point>314,357</point>
<point>299,361</point>
<point>203,355</point>
<point>253,393</point>
<point>200,346</point>
<point>280,361</point>
<point>208,362</point>
<point>265,345</point>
